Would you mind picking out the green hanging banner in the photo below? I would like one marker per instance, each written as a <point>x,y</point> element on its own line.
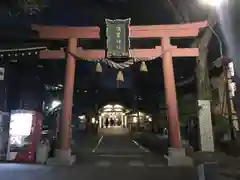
<point>118,41</point>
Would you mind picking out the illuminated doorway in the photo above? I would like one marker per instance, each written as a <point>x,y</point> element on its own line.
<point>113,116</point>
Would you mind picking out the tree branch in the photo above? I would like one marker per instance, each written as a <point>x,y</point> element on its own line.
<point>207,34</point>
<point>178,15</point>
<point>201,42</point>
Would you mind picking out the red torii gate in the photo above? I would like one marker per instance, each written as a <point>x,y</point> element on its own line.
<point>164,32</point>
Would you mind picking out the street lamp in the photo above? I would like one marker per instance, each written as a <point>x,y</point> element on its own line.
<point>214,3</point>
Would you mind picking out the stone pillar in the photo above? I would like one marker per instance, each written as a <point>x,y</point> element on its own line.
<point>63,154</point>
<point>100,121</point>
<point>122,120</point>
<point>205,126</point>
<point>125,121</point>
<point>176,155</point>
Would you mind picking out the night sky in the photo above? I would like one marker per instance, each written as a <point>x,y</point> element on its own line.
<point>92,13</point>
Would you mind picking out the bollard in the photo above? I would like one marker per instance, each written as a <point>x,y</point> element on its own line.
<point>42,152</point>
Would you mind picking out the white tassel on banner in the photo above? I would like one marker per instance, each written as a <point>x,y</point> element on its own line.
<point>120,76</point>
<point>143,67</point>
<point>98,67</point>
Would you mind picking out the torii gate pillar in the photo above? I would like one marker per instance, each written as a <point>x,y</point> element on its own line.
<point>64,153</point>
<point>170,94</point>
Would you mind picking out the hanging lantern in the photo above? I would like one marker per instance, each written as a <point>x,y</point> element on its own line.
<point>98,67</point>
<point>120,76</point>
<point>143,67</point>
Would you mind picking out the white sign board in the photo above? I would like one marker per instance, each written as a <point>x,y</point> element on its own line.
<point>231,69</point>
<point>2,71</point>
<point>205,126</point>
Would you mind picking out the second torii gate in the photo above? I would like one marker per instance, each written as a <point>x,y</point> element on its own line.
<point>163,32</point>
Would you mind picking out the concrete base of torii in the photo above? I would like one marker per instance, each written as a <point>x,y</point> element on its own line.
<point>177,157</point>
<point>62,157</point>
